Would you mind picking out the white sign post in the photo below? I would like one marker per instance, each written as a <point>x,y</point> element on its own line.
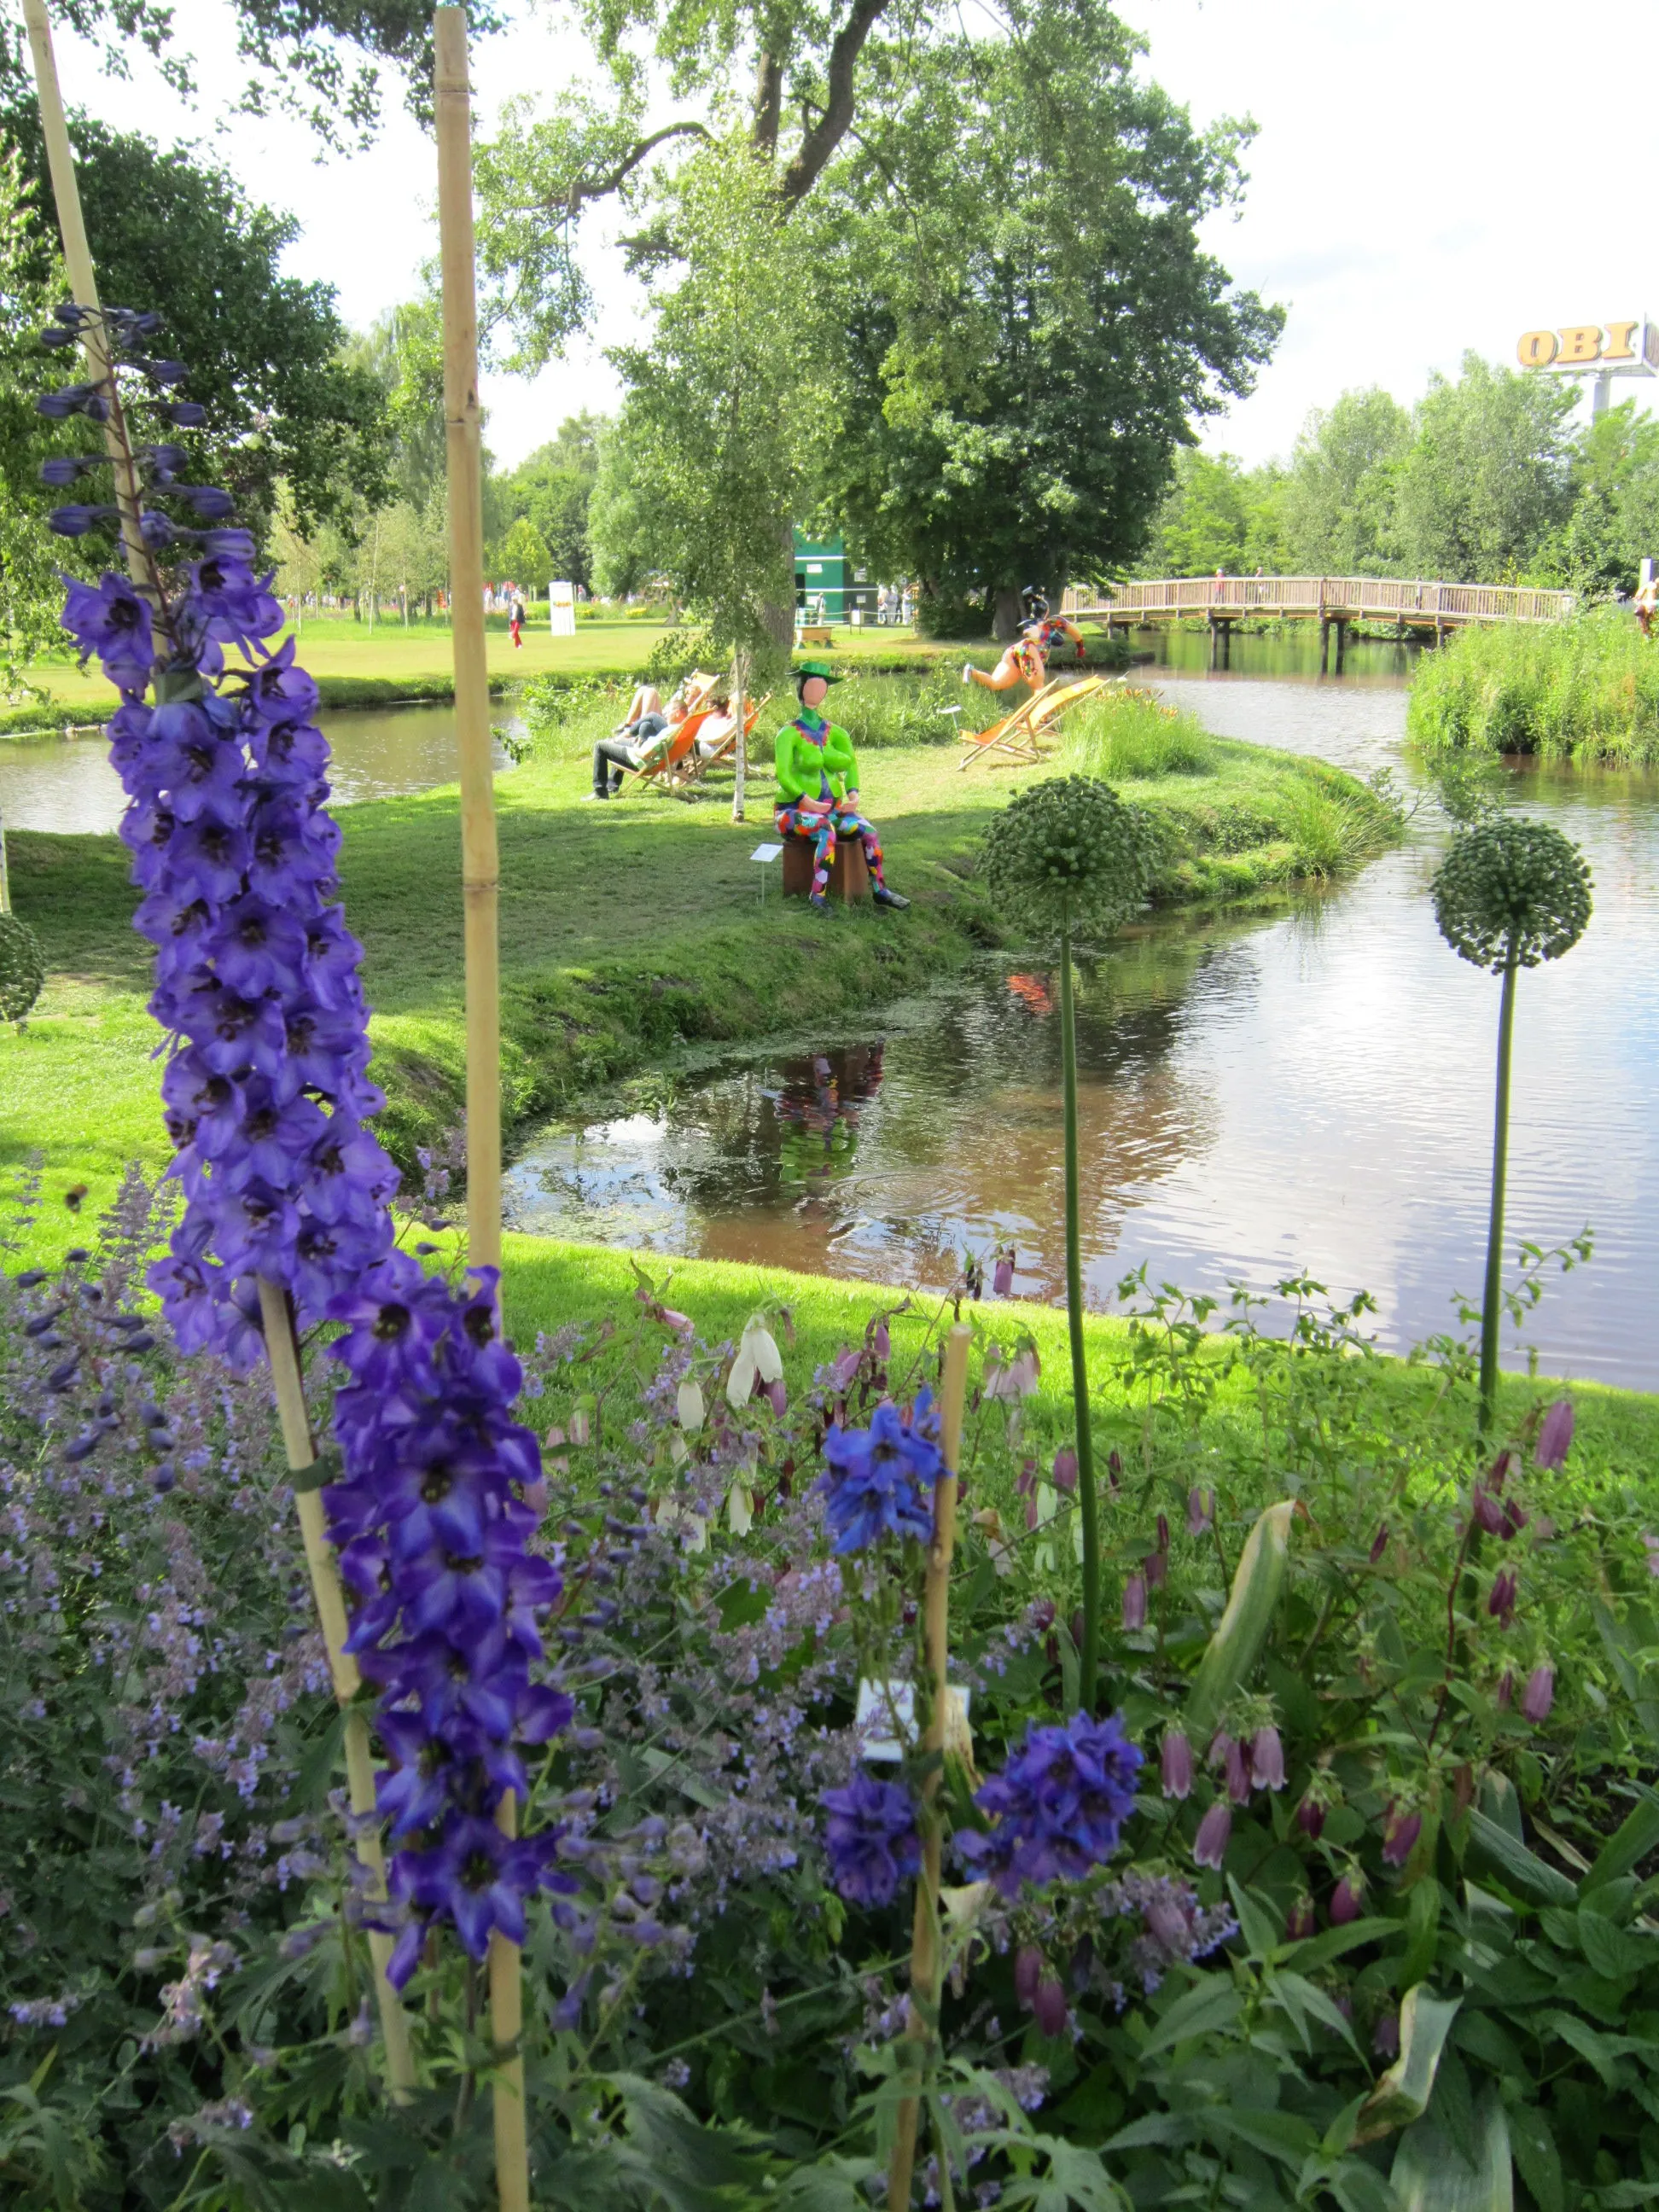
<point>562,610</point>
<point>765,854</point>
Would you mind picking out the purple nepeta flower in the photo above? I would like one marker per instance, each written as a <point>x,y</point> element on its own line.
<point>879,1481</point>
<point>872,1839</point>
<point>1058,1804</point>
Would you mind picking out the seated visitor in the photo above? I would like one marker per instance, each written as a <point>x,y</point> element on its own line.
<point>817,780</point>
<point>716,725</point>
<point>637,742</point>
<point>647,700</point>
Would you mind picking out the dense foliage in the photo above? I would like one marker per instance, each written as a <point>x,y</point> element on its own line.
<point>1379,1908</point>
<point>1583,690</point>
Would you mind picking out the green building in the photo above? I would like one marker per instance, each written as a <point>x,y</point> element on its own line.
<point>822,571</point>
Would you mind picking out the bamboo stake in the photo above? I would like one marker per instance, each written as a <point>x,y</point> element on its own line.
<point>301,1449</point>
<point>478,879</point>
<point>462,427</point>
<point>283,1352</point>
<point>922,2020</point>
<point>83,283</point>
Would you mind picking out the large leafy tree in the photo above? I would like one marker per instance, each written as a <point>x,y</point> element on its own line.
<point>1033,327</point>
<point>170,233</point>
<point>1338,495</point>
<point>1217,514</point>
<point>550,490</point>
<point>1486,482</point>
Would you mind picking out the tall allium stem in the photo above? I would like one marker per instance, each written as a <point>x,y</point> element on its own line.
<point>83,283</point>
<point>463,429</point>
<point>301,1448</point>
<point>1089,1659</point>
<point>926,1961</point>
<point>1491,1299</point>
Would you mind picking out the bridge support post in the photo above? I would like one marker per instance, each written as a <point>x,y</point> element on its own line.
<point>1341,644</point>
<point>1324,642</point>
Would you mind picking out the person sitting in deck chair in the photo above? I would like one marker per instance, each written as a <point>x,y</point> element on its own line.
<point>817,788</point>
<point>637,741</point>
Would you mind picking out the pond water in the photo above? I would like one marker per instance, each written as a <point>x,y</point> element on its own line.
<point>68,784</point>
<point>1307,1090</point>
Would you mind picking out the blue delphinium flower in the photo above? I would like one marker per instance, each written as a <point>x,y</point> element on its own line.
<point>871,1839</point>
<point>879,1481</point>
<point>1057,1806</point>
<point>432,1534</point>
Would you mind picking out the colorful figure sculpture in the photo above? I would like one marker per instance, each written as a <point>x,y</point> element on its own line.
<point>818,778</point>
<point>1027,659</point>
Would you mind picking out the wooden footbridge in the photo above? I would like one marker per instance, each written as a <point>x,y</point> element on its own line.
<point>1410,606</point>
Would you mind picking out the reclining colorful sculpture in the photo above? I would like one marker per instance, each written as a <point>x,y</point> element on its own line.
<point>818,778</point>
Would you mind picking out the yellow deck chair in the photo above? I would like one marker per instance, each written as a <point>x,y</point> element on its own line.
<point>1016,739</point>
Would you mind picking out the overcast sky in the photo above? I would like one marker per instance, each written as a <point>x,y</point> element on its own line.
<point>1427,178</point>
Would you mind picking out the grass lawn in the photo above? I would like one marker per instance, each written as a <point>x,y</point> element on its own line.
<point>550,1284</point>
<point>628,931</point>
<point>357,666</point>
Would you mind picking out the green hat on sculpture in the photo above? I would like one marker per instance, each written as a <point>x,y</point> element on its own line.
<point>816,668</point>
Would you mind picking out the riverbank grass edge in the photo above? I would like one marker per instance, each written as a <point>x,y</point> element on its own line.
<point>1585,690</point>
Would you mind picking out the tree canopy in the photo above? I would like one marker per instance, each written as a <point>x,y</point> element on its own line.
<point>170,233</point>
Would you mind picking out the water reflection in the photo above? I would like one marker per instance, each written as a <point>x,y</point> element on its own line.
<point>69,785</point>
<point>1310,1090</point>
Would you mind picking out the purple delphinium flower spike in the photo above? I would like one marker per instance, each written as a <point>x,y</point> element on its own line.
<point>870,1839</point>
<point>1058,1805</point>
<point>879,1481</point>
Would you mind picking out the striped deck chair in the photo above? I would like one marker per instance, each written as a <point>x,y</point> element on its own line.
<point>667,764</point>
<point>697,764</point>
<point>1015,740</point>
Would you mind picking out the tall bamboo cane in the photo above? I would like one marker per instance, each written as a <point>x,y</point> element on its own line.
<point>922,2024</point>
<point>283,1351</point>
<point>478,879</point>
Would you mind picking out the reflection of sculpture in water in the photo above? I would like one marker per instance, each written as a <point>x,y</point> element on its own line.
<point>817,1113</point>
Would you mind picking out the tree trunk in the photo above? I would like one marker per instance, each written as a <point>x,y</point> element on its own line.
<point>739,703</point>
<point>1005,604</point>
<point>780,620</point>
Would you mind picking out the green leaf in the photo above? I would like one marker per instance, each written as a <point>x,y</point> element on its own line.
<point>1283,2135</point>
<point>1076,2176</point>
<point>1428,2174</point>
<point>1242,1629</point>
<point>1296,1990</point>
<point>1263,1931</point>
<point>832,2184</point>
<point>1212,2005</point>
<point>1337,1942</point>
<point>1631,1842</point>
<point>1521,1868</point>
<point>1602,2052</point>
<point>1614,1953</point>
<point>1535,2153</point>
<point>1403,2092</point>
<point>1422,1932</point>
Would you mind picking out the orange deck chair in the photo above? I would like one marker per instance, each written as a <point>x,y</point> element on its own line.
<point>1015,739</point>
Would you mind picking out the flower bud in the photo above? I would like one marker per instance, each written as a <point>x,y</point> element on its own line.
<point>1310,1818</point>
<point>1002,1278</point>
<point>1238,1772</point>
<point>1134,1602</point>
<point>1379,1544</point>
<point>1052,2014</point>
<point>1348,1899</point>
<point>1385,2037</point>
<point>1065,1471</point>
<point>1029,1965</point>
<point>1177,1764</point>
<point>1201,1512</point>
<point>1026,1485</point>
<point>1267,1759</point>
<point>1301,1921</point>
<point>880,1342</point>
<point>1506,1690</point>
<point>1115,1470</point>
<point>1488,1513</point>
<point>778,1397</point>
<point>1401,1830</point>
<point>580,1427</point>
<point>1162,1534</point>
<point>1501,1604</point>
<point>1155,1568</point>
<point>1539,1695</point>
<point>1214,1833</point>
<point>1555,1436</point>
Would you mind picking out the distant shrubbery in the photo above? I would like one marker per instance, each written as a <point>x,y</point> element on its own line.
<point>1583,690</point>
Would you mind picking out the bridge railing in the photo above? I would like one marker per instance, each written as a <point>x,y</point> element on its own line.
<point>1409,600</point>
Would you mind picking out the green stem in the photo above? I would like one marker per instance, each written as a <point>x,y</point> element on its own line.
<point>1491,1302</point>
<point>1089,1659</point>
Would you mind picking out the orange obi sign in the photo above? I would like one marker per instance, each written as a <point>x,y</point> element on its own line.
<point>1630,346</point>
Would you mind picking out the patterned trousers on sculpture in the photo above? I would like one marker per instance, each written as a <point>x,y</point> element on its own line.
<point>823,829</point>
